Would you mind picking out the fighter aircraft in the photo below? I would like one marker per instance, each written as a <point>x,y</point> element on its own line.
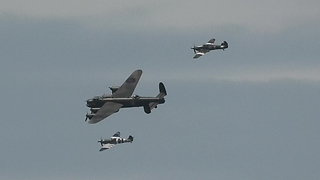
<point>115,139</point>
<point>103,106</point>
<point>201,50</point>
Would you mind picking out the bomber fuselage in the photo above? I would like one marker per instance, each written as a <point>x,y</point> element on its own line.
<point>126,102</point>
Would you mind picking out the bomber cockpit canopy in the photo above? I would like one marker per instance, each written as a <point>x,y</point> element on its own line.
<point>95,97</point>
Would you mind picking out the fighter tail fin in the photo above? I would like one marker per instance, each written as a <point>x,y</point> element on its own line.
<point>224,45</point>
<point>130,138</point>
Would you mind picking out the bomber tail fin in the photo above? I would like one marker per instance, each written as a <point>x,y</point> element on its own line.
<point>162,90</point>
<point>162,94</point>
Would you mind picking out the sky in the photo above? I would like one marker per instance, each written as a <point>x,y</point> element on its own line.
<point>250,112</point>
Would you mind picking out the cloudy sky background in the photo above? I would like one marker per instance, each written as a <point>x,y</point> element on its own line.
<point>250,112</point>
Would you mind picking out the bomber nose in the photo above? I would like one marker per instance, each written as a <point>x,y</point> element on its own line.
<point>89,102</point>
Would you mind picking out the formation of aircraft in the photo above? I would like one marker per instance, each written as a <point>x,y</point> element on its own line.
<point>115,139</point>
<point>209,46</point>
<point>103,106</point>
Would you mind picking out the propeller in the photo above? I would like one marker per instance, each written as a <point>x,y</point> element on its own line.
<point>86,117</point>
<point>89,116</point>
<point>101,141</point>
<point>194,48</point>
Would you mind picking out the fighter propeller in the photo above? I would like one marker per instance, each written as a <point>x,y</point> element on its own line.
<point>101,141</point>
<point>194,48</point>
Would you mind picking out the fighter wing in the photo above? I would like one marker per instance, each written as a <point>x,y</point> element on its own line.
<point>211,41</point>
<point>127,88</point>
<point>106,146</point>
<point>106,110</point>
<point>199,54</point>
<point>117,134</point>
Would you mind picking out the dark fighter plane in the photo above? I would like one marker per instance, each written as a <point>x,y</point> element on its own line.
<point>103,106</point>
<point>209,46</point>
<point>115,139</point>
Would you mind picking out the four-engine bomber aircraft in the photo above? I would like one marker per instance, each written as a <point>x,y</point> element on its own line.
<point>115,139</point>
<point>103,106</point>
<point>201,50</point>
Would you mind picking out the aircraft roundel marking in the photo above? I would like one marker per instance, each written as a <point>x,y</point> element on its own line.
<point>130,80</point>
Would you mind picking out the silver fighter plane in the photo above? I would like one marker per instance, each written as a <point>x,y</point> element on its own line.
<point>115,139</point>
<point>103,106</point>
<point>201,50</point>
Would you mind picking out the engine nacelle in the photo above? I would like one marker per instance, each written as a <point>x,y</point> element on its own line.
<point>94,110</point>
<point>89,115</point>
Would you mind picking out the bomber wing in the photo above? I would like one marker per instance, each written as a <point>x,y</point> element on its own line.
<point>124,91</point>
<point>106,110</point>
<point>106,146</point>
<point>127,88</point>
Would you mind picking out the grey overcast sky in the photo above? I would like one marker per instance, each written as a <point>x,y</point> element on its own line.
<point>250,112</point>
